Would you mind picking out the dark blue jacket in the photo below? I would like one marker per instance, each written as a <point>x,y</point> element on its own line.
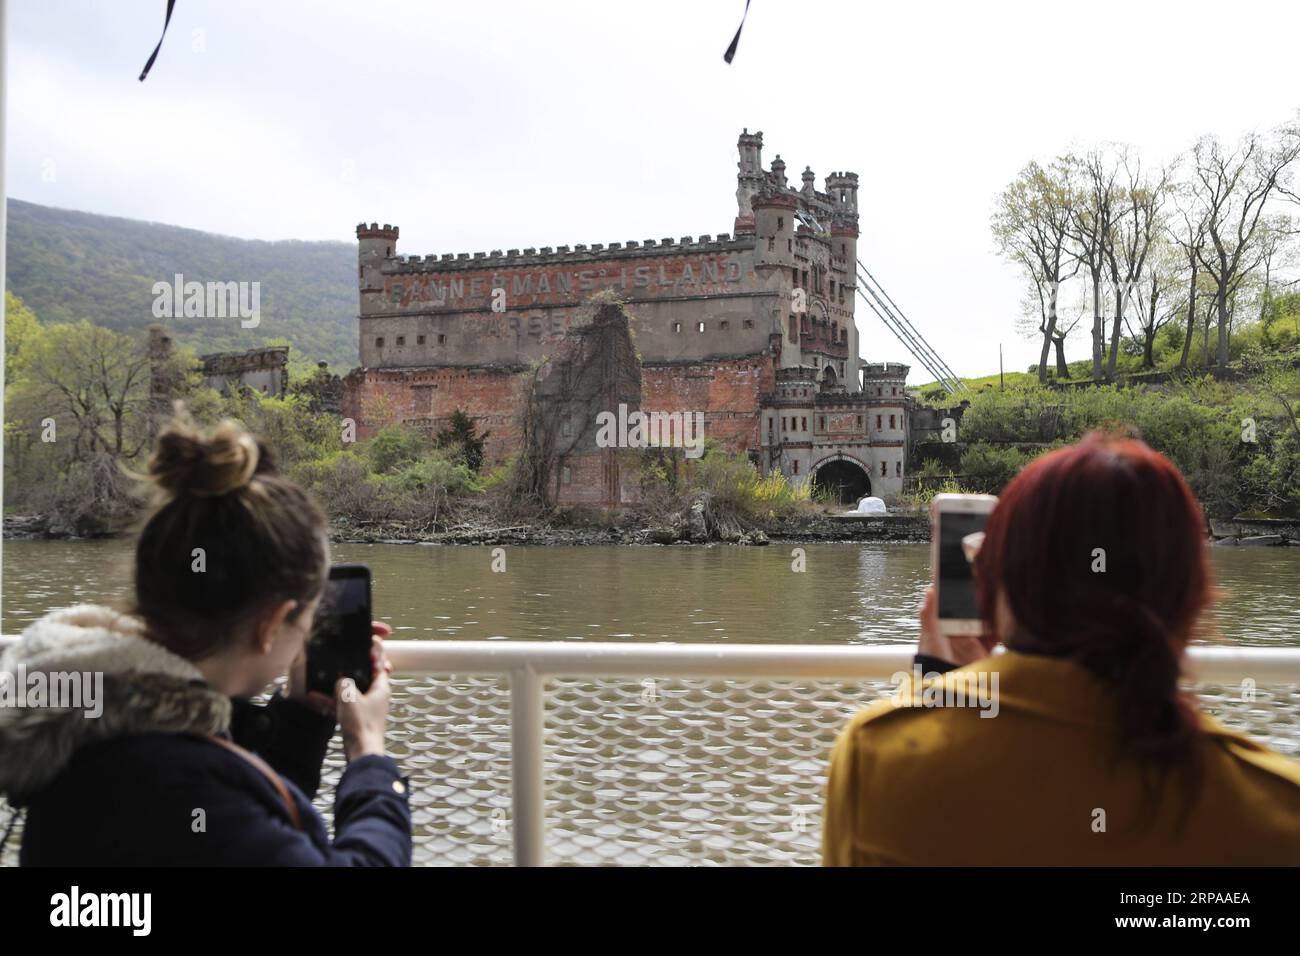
<point>160,799</point>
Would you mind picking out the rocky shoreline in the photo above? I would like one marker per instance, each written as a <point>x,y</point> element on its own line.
<point>695,525</point>
<point>1255,532</point>
<point>903,528</point>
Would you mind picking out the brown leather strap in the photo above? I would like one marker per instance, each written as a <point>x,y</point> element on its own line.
<point>265,770</point>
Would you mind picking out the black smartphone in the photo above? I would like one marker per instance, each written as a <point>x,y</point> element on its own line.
<point>341,636</point>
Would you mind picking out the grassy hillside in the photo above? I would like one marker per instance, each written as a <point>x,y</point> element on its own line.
<point>1013,380</point>
<point>67,266</point>
<point>1275,331</point>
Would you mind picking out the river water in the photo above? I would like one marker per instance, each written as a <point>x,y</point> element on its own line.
<point>849,593</point>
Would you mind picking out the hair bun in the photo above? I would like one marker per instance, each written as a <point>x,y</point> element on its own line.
<point>187,463</point>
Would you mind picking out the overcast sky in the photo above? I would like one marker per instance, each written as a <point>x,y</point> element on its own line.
<point>492,124</point>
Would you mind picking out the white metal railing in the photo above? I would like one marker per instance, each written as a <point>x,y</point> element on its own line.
<point>840,661</point>
<point>528,666</point>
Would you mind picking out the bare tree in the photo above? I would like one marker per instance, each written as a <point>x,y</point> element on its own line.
<point>1155,304</point>
<point>1274,233</point>
<point>1031,224</point>
<point>1138,201</point>
<point>1232,190</point>
<point>1288,187</point>
<point>1067,321</point>
<point>1092,225</point>
<point>1187,231</point>
<point>1037,308</point>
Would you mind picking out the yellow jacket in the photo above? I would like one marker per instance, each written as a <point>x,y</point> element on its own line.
<point>1035,784</point>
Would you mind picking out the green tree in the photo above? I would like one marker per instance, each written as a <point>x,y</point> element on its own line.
<point>292,429</point>
<point>79,413</point>
<point>394,446</point>
<point>21,327</point>
<point>94,383</point>
<point>1232,188</point>
<point>459,437</point>
<point>1031,225</point>
<point>988,468</point>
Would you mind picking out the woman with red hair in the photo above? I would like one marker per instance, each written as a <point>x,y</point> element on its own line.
<point>1094,755</point>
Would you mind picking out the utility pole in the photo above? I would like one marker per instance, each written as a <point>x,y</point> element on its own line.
<point>1002,382</point>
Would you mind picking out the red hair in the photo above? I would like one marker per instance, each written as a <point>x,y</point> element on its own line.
<point>1111,503</point>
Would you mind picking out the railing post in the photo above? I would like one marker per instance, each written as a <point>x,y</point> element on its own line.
<point>528,783</point>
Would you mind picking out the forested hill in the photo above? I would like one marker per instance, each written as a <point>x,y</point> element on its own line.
<point>67,266</point>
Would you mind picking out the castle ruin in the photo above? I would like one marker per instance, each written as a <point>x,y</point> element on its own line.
<point>755,329</point>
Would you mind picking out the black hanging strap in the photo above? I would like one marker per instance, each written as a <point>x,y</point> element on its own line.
<point>735,41</point>
<point>172,3</point>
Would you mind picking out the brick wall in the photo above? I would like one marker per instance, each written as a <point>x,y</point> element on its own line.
<point>726,391</point>
<point>426,399</point>
<point>608,477</point>
<point>442,314</point>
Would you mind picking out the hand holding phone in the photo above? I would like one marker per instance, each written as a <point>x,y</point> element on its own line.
<point>954,648</point>
<point>956,521</point>
<point>363,718</point>
<point>327,703</point>
<point>955,634</point>
<point>342,635</point>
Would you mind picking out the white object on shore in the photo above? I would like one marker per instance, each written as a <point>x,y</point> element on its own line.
<point>870,506</point>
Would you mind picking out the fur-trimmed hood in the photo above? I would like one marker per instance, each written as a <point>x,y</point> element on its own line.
<point>146,689</point>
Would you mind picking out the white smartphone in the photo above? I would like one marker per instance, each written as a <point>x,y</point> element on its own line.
<point>955,518</point>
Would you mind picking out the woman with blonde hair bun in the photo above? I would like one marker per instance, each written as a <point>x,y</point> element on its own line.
<point>179,767</point>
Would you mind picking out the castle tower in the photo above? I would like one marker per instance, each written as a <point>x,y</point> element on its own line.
<point>774,259</point>
<point>375,243</point>
<point>778,171</point>
<point>809,183</point>
<point>774,225</point>
<point>843,190</point>
<point>749,179</point>
<point>844,250</point>
<point>751,155</point>
<point>887,424</point>
<point>842,187</point>
<point>788,424</point>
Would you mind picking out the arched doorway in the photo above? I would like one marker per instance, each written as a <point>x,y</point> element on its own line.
<point>843,478</point>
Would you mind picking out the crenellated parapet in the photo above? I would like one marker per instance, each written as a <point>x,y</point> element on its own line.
<point>775,200</point>
<point>885,382</point>
<point>885,371</point>
<point>563,255</point>
<point>376,231</point>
